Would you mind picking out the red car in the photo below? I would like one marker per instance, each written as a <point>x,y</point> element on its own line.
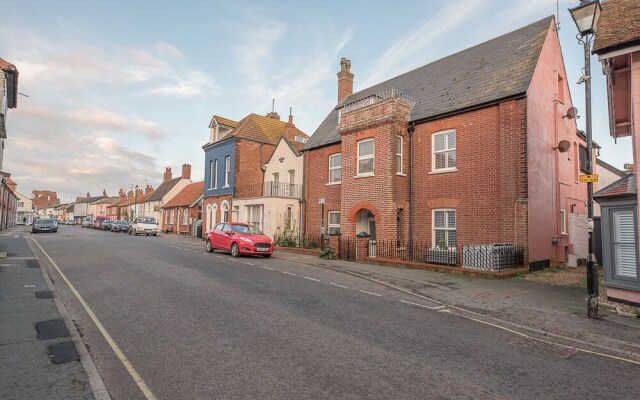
<point>239,239</point>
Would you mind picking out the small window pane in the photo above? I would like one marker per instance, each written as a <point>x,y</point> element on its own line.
<point>365,166</point>
<point>365,148</point>
<point>451,159</point>
<point>334,218</point>
<point>440,160</point>
<point>451,219</point>
<point>335,175</point>
<point>439,219</point>
<point>438,144</point>
<point>451,238</point>
<point>335,160</point>
<point>451,140</point>
<point>440,237</point>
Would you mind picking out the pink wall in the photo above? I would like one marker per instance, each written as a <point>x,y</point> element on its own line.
<point>552,176</point>
<point>635,101</point>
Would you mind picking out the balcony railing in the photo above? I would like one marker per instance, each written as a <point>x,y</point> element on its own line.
<point>269,189</point>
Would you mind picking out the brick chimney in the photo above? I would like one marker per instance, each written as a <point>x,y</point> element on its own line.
<point>121,193</point>
<point>88,195</point>
<point>273,115</point>
<point>186,171</point>
<point>130,194</point>
<point>345,80</point>
<point>148,189</point>
<point>104,192</point>
<point>167,174</point>
<point>139,191</point>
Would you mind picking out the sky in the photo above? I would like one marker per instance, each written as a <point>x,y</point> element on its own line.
<point>115,91</point>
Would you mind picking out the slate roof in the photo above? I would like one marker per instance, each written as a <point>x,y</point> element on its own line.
<point>618,25</point>
<point>261,129</point>
<point>626,186</point>
<point>187,196</point>
<point>498,69</point>
<point>163,189</point>
<point>89,199</point>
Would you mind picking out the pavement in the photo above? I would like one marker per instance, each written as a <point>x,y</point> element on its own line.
<point>42,355</point>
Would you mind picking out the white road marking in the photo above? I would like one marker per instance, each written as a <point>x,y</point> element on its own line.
<point>445,310</point>
<point>375,294</point>
<point>219,256</point>
<point>342,286</point>
<point>116,349</point>
<point>288,273</point>
<point>422,305</point>
<point>312,279</point>
<point>248,263</point>
<point>271,269</point>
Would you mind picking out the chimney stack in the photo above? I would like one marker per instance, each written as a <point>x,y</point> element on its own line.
<point>88,195</point>
<point>345,80</point>
<point>139,191</point>
<point>121,193</point>
<point>148,189</point>
<point>130,194</point>
<point>186,171</point>
<point>167,174</point>
<point>104,192</point>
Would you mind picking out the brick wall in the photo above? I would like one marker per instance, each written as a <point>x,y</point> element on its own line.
<point>316,177</point>
<point>489,188</point>
<point>250,158</point>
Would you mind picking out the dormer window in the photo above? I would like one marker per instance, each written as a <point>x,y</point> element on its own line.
<point>300,139</point>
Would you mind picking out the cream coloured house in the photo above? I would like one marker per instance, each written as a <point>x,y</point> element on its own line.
<point>277,208</point>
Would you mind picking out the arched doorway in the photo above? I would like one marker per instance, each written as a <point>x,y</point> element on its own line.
<point>366,222</point>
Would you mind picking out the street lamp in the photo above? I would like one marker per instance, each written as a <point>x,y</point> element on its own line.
<point>586,17</point>
<point>135,203</point>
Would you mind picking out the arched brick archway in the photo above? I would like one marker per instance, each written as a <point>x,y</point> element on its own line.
<point>364,205</point>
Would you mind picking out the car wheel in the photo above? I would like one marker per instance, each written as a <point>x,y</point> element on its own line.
<point>235,251</point>
<point>209,247</point>
<point>266,255</point>
<point>155,234</point>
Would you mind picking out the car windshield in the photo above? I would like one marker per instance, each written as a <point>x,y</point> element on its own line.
<point>250,229</point>
<point>121,222</point>
<point>147,220</point>
<point>44,221</point>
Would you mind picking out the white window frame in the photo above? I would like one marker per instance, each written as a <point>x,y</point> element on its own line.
<point>446,150</point>
<point>215,174</point>
<point>563,222</point>
<point>227,171</point>
<point>330,225</point>
<point>339,167</point>
<point>399,158</point>
<point>185,216</point>
<point>366,157</point>
<point>445,228</point>
<point>171,217</point>
<point>211,174</point>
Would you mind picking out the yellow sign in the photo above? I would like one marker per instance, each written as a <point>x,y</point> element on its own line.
<point>589,178</point>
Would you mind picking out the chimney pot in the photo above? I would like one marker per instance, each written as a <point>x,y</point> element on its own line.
<point>345,80</point>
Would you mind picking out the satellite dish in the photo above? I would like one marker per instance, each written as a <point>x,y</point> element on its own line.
<point>571,113</point>
<point>564,146</point>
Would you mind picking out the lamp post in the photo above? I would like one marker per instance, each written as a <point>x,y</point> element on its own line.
<point>135,203</point>
<point>586,17</point>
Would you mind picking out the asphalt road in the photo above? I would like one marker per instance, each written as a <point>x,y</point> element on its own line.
<point>196,325</point>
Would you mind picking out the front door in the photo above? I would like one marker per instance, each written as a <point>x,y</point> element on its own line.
<point>372,237</point>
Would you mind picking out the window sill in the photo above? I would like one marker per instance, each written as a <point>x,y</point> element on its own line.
<point>369,175</point>
<point>333,183</point>
<point>400,174</point>
<point>226,187</point>
<point>443,171</point>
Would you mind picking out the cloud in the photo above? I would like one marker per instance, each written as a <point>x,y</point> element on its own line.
<point>195,84</point>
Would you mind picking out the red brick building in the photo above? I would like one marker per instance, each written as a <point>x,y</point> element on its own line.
<point>469,149</point>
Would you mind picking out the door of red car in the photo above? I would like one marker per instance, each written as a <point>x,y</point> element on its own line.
<point>227,236</point>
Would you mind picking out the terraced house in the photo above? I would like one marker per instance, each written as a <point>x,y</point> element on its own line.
<point>477,148</point>
<point>235,165</point>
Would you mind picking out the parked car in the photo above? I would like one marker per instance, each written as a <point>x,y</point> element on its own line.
<point>97,222</point>
<point>44,225</point>
<point>238,239</point>
<point>144,226</point>
<point>120,226</point>
<point>106,225</point>
<point>86,223</point>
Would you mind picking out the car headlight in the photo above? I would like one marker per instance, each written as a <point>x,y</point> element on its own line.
<point>244,239</point>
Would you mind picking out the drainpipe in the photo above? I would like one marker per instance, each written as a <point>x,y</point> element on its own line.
<point>410,130</point>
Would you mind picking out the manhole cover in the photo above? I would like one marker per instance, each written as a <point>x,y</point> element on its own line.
<point>61,353</point>
<point>33,264</point>
<point>51,329</point>
<point>45,294</point>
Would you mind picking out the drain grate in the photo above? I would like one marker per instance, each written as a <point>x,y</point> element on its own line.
<point>33,264</point>
<point>45,294</point>
<point>51,329</point>
<point>61,353</point>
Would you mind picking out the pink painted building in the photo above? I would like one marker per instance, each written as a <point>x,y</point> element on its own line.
<point>617,45</point>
